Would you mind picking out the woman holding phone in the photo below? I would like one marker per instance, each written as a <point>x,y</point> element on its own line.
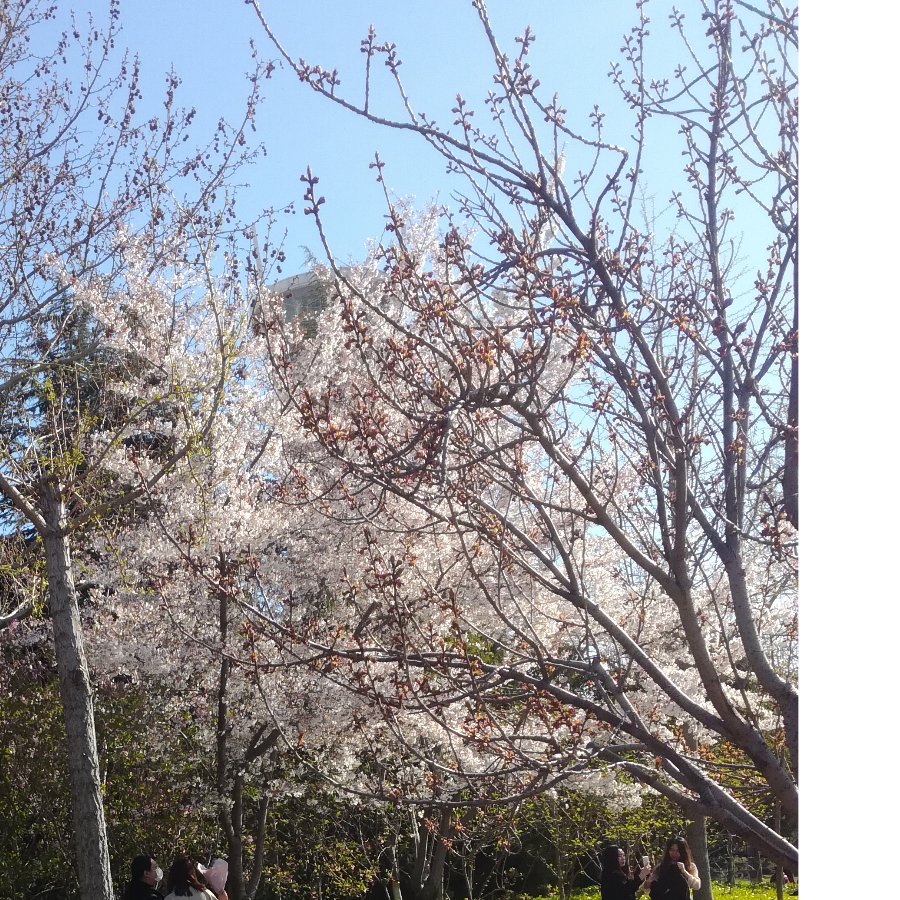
<point>676,875</point>
<point>616,882</point>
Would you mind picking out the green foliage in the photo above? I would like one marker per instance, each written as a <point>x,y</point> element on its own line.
<point>149,788</point>
<point>158,789</point>
<point>152,781</point>
<point>36,848</point>
<point>319,846</point>
<point>22,575</point>
<point>743,890</point>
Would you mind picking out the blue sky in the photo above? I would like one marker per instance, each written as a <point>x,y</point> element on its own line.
<point>443,51</point>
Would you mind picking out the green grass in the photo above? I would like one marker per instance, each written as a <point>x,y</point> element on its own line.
<point>743,890</point>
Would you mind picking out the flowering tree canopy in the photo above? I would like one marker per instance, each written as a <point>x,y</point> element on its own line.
<point>521,511</point>
<point>572,431</point>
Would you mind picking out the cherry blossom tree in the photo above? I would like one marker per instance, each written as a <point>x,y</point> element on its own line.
<point>118,341</point>
<point>185,585</point>
<point>571,424</point>
<point>241,570</point>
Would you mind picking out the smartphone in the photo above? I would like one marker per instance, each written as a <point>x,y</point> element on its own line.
<point>645,861</point>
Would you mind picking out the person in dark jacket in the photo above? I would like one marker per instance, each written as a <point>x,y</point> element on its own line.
<point>145,875</point>
<point>616,882</point>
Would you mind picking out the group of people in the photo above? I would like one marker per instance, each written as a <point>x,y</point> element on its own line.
<point>673,879</point>
<point>185,880</point>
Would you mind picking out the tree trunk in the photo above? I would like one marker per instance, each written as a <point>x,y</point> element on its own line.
<point>559,852</point>
<point>791,480</point>
<point>231,812</point>
<point>235,838</point>
<point>731,876</point>
<point>262,814</point>
<point>239,886</point>
<point>420,867</point>
<point>755,864</point>
<point>779,870</point>
<point>695,832</point>
<point>89,822</point>
<point>435,883</point>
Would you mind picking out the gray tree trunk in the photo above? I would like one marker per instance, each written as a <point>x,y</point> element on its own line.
<point>231,816</point>
<point>779,870</point>
<point>754,862</point>
<point>695,832</point>
<point>421,864</point>
<point>89,822</point>
<point>239,886</point>
<point>434,884</point>
<point>235,837</point>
